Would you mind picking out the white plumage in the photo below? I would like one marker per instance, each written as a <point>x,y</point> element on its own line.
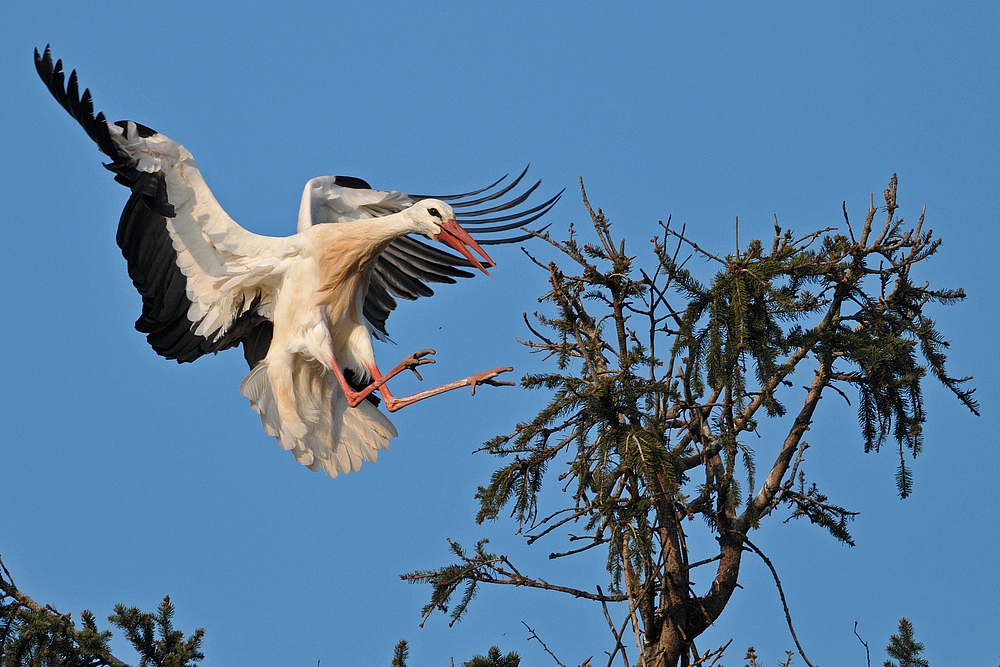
<point>304,307</point>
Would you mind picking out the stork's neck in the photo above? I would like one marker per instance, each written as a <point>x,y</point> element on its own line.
<point>376,233</point>
<point>391,227</point>
<point>349,249</point>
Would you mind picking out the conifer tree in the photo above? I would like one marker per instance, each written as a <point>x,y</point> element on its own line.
<point>32,635</point>
<point>660,382</point>
<point>401,653</point>
<point>494,658</point>
<point>904,648</point>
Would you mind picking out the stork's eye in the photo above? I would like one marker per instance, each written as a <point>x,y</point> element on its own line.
<point>434,212</point>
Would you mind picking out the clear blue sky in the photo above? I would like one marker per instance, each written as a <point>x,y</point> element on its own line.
<point>126,477</point>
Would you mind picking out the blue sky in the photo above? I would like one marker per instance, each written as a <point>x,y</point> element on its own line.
<point>126,477</point>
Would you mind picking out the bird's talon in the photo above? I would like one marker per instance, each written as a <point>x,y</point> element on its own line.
<point>487,377</point>
<point>414,360</point>
<point>417,359</point>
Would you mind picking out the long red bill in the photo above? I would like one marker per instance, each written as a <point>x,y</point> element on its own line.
<point>459,239</point>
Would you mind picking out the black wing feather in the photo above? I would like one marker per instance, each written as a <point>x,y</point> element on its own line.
<point>151,258</point>
<point>402,271</point>
<point>144,240</point>
<point>406,265</point>
<point>151,187</point>
<point>415,267</point>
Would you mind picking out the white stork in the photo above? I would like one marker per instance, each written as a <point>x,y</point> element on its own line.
<point>304,307</point>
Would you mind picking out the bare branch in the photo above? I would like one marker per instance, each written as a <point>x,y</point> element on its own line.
<point>538,639</point>
<point>781,592</point>
<point>868,654</point>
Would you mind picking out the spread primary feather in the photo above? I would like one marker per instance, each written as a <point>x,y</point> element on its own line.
<point>304,307</point>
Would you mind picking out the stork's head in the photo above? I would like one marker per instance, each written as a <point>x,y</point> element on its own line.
<point>438,222</point>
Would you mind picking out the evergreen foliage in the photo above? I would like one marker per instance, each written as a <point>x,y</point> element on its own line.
<point>660,382</point>
<point>29,637</point>
<point>494,658</point>
<point>35,636</point>
<point>154,636</point>
<point>401,653</point>
<point>904,649</point>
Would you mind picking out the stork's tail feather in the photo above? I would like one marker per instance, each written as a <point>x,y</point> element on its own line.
<point>329,435</point>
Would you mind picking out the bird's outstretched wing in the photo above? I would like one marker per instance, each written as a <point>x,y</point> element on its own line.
<point>406,266</point>
<point>206,283</point>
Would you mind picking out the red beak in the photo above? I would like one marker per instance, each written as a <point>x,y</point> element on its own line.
<point>459,239</point>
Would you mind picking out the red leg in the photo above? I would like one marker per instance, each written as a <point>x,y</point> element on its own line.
<point>411,362</point>
<point>354,398</point>
<point>392,403</point>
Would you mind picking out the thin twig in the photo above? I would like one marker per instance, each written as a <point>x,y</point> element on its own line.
<point>701,251</point>
<point>715,655</point>
<point>863,643</point>
<point>515,578</point>
<point>704,562</point>
<point>535,636</point>
<point>618,634</point>
<point>781,592</point>
<point>559,554</point>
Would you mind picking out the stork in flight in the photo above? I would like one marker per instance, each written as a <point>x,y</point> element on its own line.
<point>304,307</point>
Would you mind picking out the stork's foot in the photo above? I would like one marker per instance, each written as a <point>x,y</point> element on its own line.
<point>416,360</point>
<point>489,377</point>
